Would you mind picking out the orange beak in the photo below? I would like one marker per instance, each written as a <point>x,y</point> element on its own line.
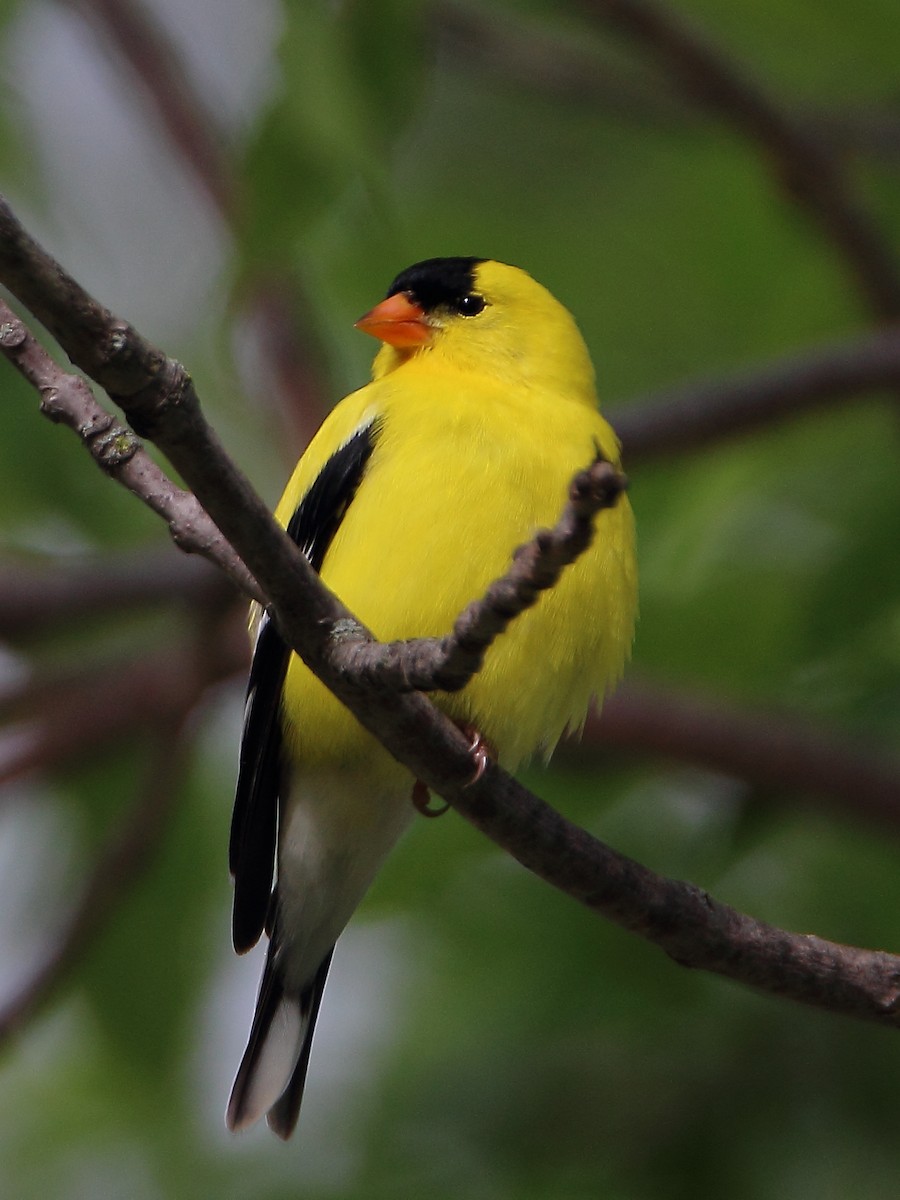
<point>397,321</point>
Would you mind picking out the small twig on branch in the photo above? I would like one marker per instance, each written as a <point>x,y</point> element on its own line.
<point>687,923</point>
<point>447,664</point>
<point>698,414</point>
<point>767,749</point>
<point>808,170</point>
<point>67,399</point>
<point>118,868</point>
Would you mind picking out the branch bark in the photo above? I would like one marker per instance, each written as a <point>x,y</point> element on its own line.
<point>684,921</point>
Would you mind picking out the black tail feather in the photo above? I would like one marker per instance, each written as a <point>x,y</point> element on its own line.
<point>282,1116</point>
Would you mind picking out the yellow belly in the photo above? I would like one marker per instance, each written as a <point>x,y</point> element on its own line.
<point>460,476</point>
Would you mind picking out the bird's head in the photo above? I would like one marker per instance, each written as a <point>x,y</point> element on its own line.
<point>477,314</point>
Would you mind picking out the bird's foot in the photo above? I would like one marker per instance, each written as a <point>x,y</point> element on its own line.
<point>421,798</point>
<point>482,751</point>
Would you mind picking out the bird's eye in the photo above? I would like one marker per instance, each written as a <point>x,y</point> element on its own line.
<point>471,305</point>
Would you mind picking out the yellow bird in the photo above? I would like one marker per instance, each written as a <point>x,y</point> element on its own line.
<point>409,501</point>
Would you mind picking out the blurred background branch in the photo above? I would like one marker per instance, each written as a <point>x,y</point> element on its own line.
<point>275,304</point>
<point>767,750</point>
<point>802,161</point>
<point>705,412</point>
<point>130,850</point>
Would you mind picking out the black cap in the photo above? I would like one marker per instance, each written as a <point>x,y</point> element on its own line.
<point>438,282</point>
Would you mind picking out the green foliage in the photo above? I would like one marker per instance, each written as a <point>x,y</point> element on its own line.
<point>502,1043</point>
<point>347,86</point>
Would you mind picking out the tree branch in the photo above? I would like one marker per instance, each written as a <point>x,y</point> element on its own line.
<point>684,921</point>
<point>698,414</point>
<point>66,398</point>
<point>160,401</point>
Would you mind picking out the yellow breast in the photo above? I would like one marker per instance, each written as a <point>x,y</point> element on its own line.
<point>464,470</point>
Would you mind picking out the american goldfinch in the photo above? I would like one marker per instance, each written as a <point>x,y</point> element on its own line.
<point>409,501</point>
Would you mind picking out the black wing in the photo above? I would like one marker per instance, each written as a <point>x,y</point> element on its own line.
<point>262,769</point>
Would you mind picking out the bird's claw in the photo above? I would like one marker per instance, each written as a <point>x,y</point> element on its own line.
<point>483,753</point>
<point>421,799</point>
